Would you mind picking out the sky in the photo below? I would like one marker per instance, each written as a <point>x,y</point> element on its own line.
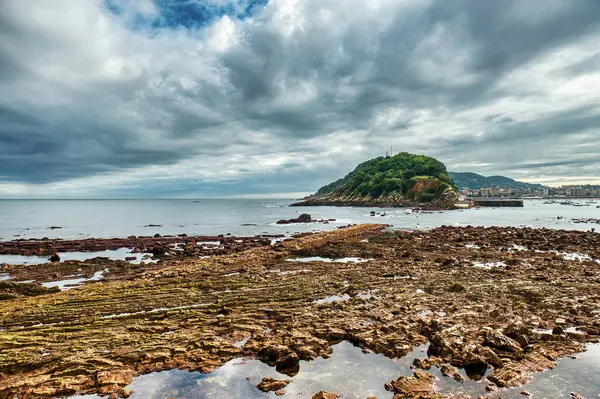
<point>192,98</point>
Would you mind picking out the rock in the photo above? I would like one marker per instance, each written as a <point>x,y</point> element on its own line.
<point>496,339</point>
<point>159,251</point>
<point>590,330</point>
<point>289,364</point>
<point>418,385</point>
<point>157,235</point>
<point>306,353</point>
<point>130,258</point>
<point>457,287</point>
<point>427,363</point>
<point>116,377</point>
<point>575,395</point>
<point>452,372</point>
<point>269,384</point>
<point>326,395</point>
<point>271,353</point>
<point>54,258</point>
<point>304,218</point>
<point>558,330</point>
<point>489,356</point>
<point>283,358</point>
<point>475,366</point>
<point>523,340</point>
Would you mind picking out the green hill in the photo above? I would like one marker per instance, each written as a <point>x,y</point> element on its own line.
<point>401,180</point>
<point>474,181</point>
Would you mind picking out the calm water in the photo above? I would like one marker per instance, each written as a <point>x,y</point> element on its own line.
<point>238,378</point>
<point>120,218</point>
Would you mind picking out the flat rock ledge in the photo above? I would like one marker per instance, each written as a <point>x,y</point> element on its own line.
<point>481,298</point>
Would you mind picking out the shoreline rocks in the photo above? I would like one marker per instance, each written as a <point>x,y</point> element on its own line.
<point>424,287</point>
<point>269,384</point>
<point>304,218</point>
<point>445,202</point>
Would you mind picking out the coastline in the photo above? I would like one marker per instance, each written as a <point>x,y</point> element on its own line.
<point>206,305</point>
<point>382,202</point>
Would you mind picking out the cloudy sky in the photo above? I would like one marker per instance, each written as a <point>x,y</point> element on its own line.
<point>183,98</point>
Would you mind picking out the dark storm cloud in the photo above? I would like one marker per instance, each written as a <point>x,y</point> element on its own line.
<point>241,90</point>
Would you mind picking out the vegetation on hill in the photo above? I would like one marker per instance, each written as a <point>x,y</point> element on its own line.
<point>415,177</point>
<point>474,181</point>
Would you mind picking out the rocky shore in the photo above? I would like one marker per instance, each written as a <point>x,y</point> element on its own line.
<point>445,202</point>
<point>500,303</point>
<point>154,253</point>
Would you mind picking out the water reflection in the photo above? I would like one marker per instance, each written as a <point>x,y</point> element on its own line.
<point>117,254</point>
<point>75,282</point>
<point>581,375</point>
<point>357,375</point>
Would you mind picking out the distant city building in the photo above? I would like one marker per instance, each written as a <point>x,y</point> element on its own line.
<point>564,191</point>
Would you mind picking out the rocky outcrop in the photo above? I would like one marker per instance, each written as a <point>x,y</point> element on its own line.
<point>282,357</point>
<point>269,384</point>
<point>10,290</point>
<point>445,201</point>
<point>419,386</point>
<point>304,218</point>
<point>326,395</point>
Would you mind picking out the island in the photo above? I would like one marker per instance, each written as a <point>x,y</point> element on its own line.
<point>402,180</point>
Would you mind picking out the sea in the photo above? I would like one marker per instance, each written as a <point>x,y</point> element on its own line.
<point>75,219</point>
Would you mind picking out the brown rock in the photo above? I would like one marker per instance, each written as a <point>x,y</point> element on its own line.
<point>116,377</point>
<point>475,366</point>
<point>575,395</point>
<point>326,395</point>
<point>271,353</point>
<point>304,218</point>
<point>269,384</point>
<point>558,330</point>
<point>289,364</point>
<point>496,339</point>
<point>452,372</point>
<point>523,340</point>
<point>420,383</point>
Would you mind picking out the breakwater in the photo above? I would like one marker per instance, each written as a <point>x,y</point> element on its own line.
<point>496,202</point>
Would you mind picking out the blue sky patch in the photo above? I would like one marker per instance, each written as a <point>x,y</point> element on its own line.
<point>185,14</point>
